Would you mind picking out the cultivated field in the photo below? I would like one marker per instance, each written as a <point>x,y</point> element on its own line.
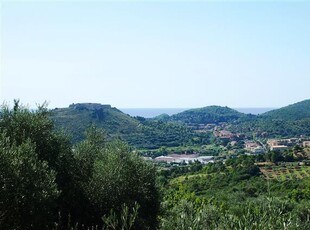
<point>285,172</point>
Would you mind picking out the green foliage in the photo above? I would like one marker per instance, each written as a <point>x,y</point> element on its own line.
<point>206,115</point>
<point>117,176</point>
<point>28,190</point>
<point>185,216</point>
<point>263,214</point>
<point>138,132</point>
<point>292,120</point>
<point>30,160</point>
<point>267,127</point>
<point>20,124</point>
<point>76,119</point>
<point>153,134</point>
<point>37,150</point>
<point>102,184</point>
<point>124,220</point>
<point>234,195</point>
<point>297,111</point>
<point>144,133</point>
<point>44,180</point>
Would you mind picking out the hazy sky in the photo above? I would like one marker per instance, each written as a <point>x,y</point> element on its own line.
<point>156,54</point>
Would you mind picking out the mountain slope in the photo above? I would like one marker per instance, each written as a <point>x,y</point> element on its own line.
<point>78,117</point>
<point>297,111</point>
<point>289,121</point>
<point>139,132</point>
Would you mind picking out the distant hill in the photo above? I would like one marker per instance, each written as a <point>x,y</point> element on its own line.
<point>78,117</point>
<point>137,131</point>
<point>291,120</point>
<point>210,114</point>
<point>297,111</point>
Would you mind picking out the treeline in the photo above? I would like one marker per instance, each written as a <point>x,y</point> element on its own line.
<point>46,183</point>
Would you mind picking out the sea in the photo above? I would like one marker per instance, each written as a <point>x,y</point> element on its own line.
<point>153,112</point>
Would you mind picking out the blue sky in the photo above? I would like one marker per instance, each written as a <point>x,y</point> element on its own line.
<point>156,54</point>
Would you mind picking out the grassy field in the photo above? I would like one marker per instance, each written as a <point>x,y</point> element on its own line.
<point>285,172</point>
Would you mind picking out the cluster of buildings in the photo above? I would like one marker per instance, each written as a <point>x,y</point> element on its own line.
<point>210,127</point>
<point>283,144</point>
<point>225,134</point>
<point>253,147</point>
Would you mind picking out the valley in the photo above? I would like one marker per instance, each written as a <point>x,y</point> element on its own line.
<point>213,168</point>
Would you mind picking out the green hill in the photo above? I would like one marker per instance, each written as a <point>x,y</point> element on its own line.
<point>209,114</point>
<point>297,111</point>
<point>137,131</point>
<point>78,117</point>
<point>289,121</point>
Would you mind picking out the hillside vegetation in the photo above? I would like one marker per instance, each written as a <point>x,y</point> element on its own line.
<point>138,132</point>
<point>297,111</point>
<point>176,130</point>
<point>292,120</point>
<point>233,195</point>
<point>209,114</point>
<point>77,118</point>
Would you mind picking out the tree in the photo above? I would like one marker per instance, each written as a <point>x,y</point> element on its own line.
<point>116,176</point>
<point>276,157</point>
<point>35,159</point>
<point>28,189</point>
<point>42,175</point>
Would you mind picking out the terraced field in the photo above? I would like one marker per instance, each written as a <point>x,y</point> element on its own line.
<point>288,172</point>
